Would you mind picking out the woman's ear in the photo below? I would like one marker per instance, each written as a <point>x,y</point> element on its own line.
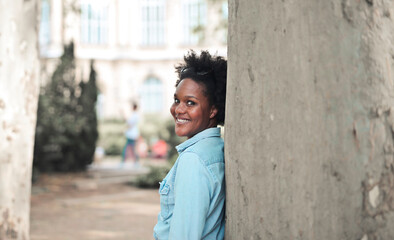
<point>214,111</point>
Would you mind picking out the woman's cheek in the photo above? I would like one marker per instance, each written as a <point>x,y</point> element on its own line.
<point>172,110</point>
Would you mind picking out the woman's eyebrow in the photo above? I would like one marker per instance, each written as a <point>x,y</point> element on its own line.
<point>189,96</point>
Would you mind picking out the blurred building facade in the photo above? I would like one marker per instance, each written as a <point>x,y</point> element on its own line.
<point>134,43</point>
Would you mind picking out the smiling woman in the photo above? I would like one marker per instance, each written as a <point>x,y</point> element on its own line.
<point>191,109</point>
<point>192,195</point>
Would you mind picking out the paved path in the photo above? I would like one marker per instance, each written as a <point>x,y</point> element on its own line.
<point>92,206</point>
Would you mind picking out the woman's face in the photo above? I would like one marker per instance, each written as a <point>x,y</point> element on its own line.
<point>191,109</point>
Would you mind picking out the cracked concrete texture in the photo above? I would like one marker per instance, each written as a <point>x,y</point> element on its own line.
<point>324,69</point>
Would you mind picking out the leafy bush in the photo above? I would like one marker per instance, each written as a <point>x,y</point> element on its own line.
<point>152,179</point>
<point>157,174</point>
<point>114,148</point>
<point>154,128</point>
<point>66,131</point>
<point>172,140</point>
<point>112,137</point>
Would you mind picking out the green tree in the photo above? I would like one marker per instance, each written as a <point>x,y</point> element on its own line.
<point>66,131</point>
<point>89,131</point>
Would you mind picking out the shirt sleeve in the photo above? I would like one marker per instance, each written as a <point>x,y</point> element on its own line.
<point>192,199</point>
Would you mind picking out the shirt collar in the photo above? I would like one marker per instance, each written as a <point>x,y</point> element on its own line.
<point>209,132</point>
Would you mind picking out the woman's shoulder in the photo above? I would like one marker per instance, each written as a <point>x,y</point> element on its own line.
<point>209,150</point>
<point>208,157</point>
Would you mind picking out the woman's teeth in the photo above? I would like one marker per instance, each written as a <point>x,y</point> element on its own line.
<point>182,120</point>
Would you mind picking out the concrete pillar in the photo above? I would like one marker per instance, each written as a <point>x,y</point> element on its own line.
<point>310,119</point>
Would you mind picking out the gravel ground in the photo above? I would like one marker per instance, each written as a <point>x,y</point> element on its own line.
<point>63,210</point>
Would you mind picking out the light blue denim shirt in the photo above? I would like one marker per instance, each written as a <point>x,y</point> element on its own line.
<point>193,192</point>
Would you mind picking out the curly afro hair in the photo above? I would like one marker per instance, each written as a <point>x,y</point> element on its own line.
<point>211,71</point>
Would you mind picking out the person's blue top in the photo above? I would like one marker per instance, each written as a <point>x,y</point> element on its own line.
<point>193,192</point>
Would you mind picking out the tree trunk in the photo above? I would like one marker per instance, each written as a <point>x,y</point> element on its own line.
<point>310,120</point>
<point>19,86</point>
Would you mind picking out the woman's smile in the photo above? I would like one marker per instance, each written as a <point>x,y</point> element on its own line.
<point>182,120</point>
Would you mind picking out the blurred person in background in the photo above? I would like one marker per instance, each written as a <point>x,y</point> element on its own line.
<point>192,195</point>
<point>132,134</point>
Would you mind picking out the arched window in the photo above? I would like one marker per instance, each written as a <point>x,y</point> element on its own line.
<point>152,95</point>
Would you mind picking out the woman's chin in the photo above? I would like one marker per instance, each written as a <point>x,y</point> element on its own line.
<point>179,132</point>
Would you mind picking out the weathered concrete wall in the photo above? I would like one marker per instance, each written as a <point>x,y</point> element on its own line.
<point>310,120</point>
<point>19,85</point>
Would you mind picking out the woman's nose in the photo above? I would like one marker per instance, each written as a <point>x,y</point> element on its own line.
<point>180,108</point>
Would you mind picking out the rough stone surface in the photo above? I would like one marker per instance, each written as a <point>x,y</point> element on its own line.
<point>309,121</point>
<point>19,85</point>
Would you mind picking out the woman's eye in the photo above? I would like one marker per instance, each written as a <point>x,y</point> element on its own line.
<point>191,103</point>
